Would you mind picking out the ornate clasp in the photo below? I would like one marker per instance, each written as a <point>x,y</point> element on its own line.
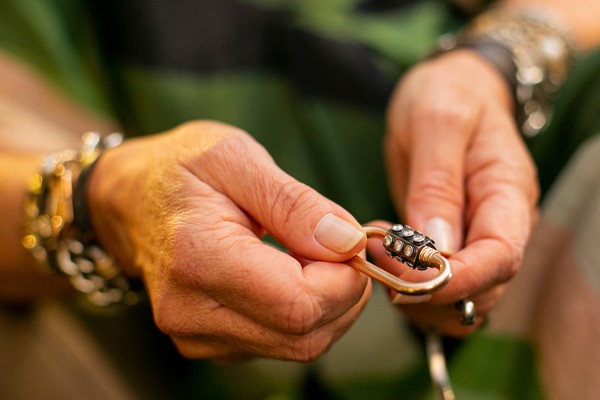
<point>412,248</point>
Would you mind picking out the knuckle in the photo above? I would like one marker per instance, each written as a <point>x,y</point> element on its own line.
<point>194,349</point>
<point>438,185</point>
<point>292,201</point>
<point>169,322</point>
<point>171,318</point>
<point>197,128</point>
<point>514,259</point>
<point>190,352</point>
<point>303,314</point>
<point>446,111</point>
<point>309,348</point>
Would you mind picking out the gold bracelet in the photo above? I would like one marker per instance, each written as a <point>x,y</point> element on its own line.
<point>53,238</point>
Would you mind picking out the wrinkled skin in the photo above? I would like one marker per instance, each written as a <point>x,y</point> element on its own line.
<point>186,211</point>
<point>454,155</point>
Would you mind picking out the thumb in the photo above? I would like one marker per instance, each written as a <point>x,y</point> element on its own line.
<point>304,221</point>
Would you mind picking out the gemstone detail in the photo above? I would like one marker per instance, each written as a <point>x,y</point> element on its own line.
<point>397,227</point>
<point>408,251</point>
<point>398,246</point>
<point>388,240</point>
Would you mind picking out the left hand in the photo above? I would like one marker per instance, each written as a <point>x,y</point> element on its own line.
<point>460,172</point>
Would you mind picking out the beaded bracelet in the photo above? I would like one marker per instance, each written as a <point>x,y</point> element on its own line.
<point>533,54</point>
<point>52,233</point>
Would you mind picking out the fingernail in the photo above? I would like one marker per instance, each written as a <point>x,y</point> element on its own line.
<point>400,298</point>
<point>337,234</point>
<point>441,232</point>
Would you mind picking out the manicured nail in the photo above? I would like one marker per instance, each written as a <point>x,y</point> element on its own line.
<point>400,298</point>
<point>441,232</point>
<point>337,234</point>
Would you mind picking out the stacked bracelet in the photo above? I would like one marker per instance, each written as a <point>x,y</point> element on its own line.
<point>531,52</point>
<point>57,230</point>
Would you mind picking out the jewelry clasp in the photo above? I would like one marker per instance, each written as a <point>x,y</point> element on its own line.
<point>411,247</point>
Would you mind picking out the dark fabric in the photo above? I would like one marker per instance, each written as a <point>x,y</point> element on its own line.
<point>194,35</point>
<point>205,36</point>
<point>382,5</point>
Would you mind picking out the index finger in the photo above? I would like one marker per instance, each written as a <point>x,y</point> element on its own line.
<point>502,196</point>
<point>271,287</point>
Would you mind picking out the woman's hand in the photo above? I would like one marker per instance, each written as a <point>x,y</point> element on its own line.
<point>460,172</point>
<point>186,211</point>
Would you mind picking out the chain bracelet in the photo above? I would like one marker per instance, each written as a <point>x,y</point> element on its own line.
<point>55,241</point>
<point>532,52</point>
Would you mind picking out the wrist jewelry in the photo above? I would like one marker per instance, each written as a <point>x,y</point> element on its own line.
<point>57,231</point>
<point>533,53</point>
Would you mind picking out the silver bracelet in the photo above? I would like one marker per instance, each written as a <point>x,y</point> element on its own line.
<point>535,58</point>
<point>54,239</point>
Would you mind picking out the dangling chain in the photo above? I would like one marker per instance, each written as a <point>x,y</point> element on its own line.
<point>416,250</point>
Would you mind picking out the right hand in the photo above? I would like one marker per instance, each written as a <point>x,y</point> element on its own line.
<point>186,211</point>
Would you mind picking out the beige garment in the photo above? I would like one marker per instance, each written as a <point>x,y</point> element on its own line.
<point>555,300</point>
